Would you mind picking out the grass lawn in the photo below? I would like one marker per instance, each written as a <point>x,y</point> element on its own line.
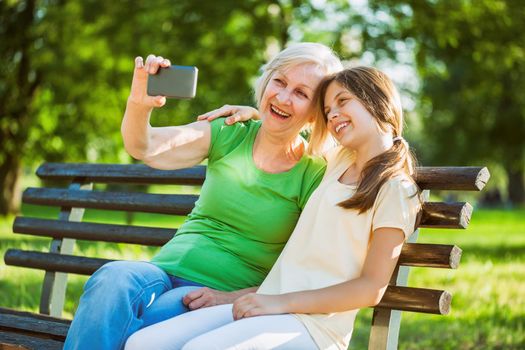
<point>488,307</point>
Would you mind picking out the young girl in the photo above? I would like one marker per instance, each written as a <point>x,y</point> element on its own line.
<point>345,246</point>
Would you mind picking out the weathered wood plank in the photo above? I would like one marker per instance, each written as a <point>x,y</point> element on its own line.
<point>121,173</point>
<point>53,262</point>
<point>176,204</point>
<point>435,178</point>
<point>5,346</point>
<point>6,311</point>
<point>93,231</point>
<point>445,215</point>
<point>28,342</point>
<point>36,326</point>
<point>441,215</point>
<point>430,255</point>
<point>452,178</point>
<point>429,301</point>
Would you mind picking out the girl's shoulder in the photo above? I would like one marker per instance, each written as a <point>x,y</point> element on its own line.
<point>399,189</point>
<point>397,204</point>
<point>402,183</point>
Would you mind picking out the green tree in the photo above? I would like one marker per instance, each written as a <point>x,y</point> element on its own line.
<point>18,83</point>
<point>470,57</point>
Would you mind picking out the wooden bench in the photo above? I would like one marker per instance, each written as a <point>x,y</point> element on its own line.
<point>47,330</point>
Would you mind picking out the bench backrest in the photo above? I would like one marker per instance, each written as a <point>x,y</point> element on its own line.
<point>79,196</point>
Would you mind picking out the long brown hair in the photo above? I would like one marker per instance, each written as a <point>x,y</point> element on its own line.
<point>377,93</point>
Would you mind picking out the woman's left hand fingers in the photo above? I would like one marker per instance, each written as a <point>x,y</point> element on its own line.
<point>234,118</point>
<point>204,297</point>
<point>224,111</point>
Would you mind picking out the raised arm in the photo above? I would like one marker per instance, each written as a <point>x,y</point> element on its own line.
<point>170,147</point>
<point>366,290</point>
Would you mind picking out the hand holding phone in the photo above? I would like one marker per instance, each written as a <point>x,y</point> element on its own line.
<point>174,82</point>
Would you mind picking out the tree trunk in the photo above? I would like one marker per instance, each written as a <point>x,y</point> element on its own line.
<point>516,185</point>
<point>16,101</point>
<point>10,171</point>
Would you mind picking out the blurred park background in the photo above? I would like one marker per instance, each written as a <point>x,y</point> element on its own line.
<point>66,67</point>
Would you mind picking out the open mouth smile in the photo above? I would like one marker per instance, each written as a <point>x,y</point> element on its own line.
<point>340,126</point>
<point>279,113</point>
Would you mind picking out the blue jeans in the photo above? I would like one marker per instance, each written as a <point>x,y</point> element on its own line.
<point>122,297</point>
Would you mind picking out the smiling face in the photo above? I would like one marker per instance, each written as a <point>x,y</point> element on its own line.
<point>348,120</point>
<point>286,104</point>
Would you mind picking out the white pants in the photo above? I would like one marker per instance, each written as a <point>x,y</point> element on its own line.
<point>214,328</point>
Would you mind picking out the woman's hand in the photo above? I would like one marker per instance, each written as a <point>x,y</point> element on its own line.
<point>139,85</point>
<point>260,304</point>
<point>234,113</point>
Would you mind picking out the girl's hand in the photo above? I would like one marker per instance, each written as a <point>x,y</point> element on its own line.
<point>234,113</point>
<point>259,304</point>
<point>139,85</point>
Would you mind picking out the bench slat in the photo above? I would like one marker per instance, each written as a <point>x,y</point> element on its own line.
<point>442,215</point>
<point>430,255</point>
<point>176,204</point>
<point>428,301</point>
<point>7,311</point>
<point>121,173</point>
<point>153,236</point>
<point>452,178</point>
<point>402,298</point>
<point>53,262</point>
<point>413,254</point>
<point>28,341</point>
<point>445,215</point>
<point>431,178</point>
<point>28,323</point>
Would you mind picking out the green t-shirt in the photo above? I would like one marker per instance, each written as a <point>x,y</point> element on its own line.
<point>244,216</point>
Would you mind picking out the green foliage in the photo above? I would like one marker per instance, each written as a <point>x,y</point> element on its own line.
<point>87,60</point>
<point>470,56</point>
<point>68,65</point>
<point>82,54</point>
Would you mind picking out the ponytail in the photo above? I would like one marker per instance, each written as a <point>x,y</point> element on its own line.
<point>378,170</point>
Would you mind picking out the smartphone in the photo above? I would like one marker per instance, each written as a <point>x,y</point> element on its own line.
<point>174,82</point>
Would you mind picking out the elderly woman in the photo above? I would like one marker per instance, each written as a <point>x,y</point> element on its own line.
<point>259,177</point>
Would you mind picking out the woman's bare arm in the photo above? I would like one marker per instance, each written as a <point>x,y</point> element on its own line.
<point>160,147</point>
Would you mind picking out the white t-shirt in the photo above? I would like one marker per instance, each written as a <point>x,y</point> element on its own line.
<point>330,243</point>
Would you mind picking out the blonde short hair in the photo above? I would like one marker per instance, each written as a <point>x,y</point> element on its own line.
<point>297,54</point>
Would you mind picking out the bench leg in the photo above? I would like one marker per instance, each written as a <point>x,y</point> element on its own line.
<point>384,333</point>
<point>55,283</point>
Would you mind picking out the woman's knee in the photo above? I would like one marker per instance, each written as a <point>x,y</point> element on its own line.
<point>166,306</point>
<point>120,274</point>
